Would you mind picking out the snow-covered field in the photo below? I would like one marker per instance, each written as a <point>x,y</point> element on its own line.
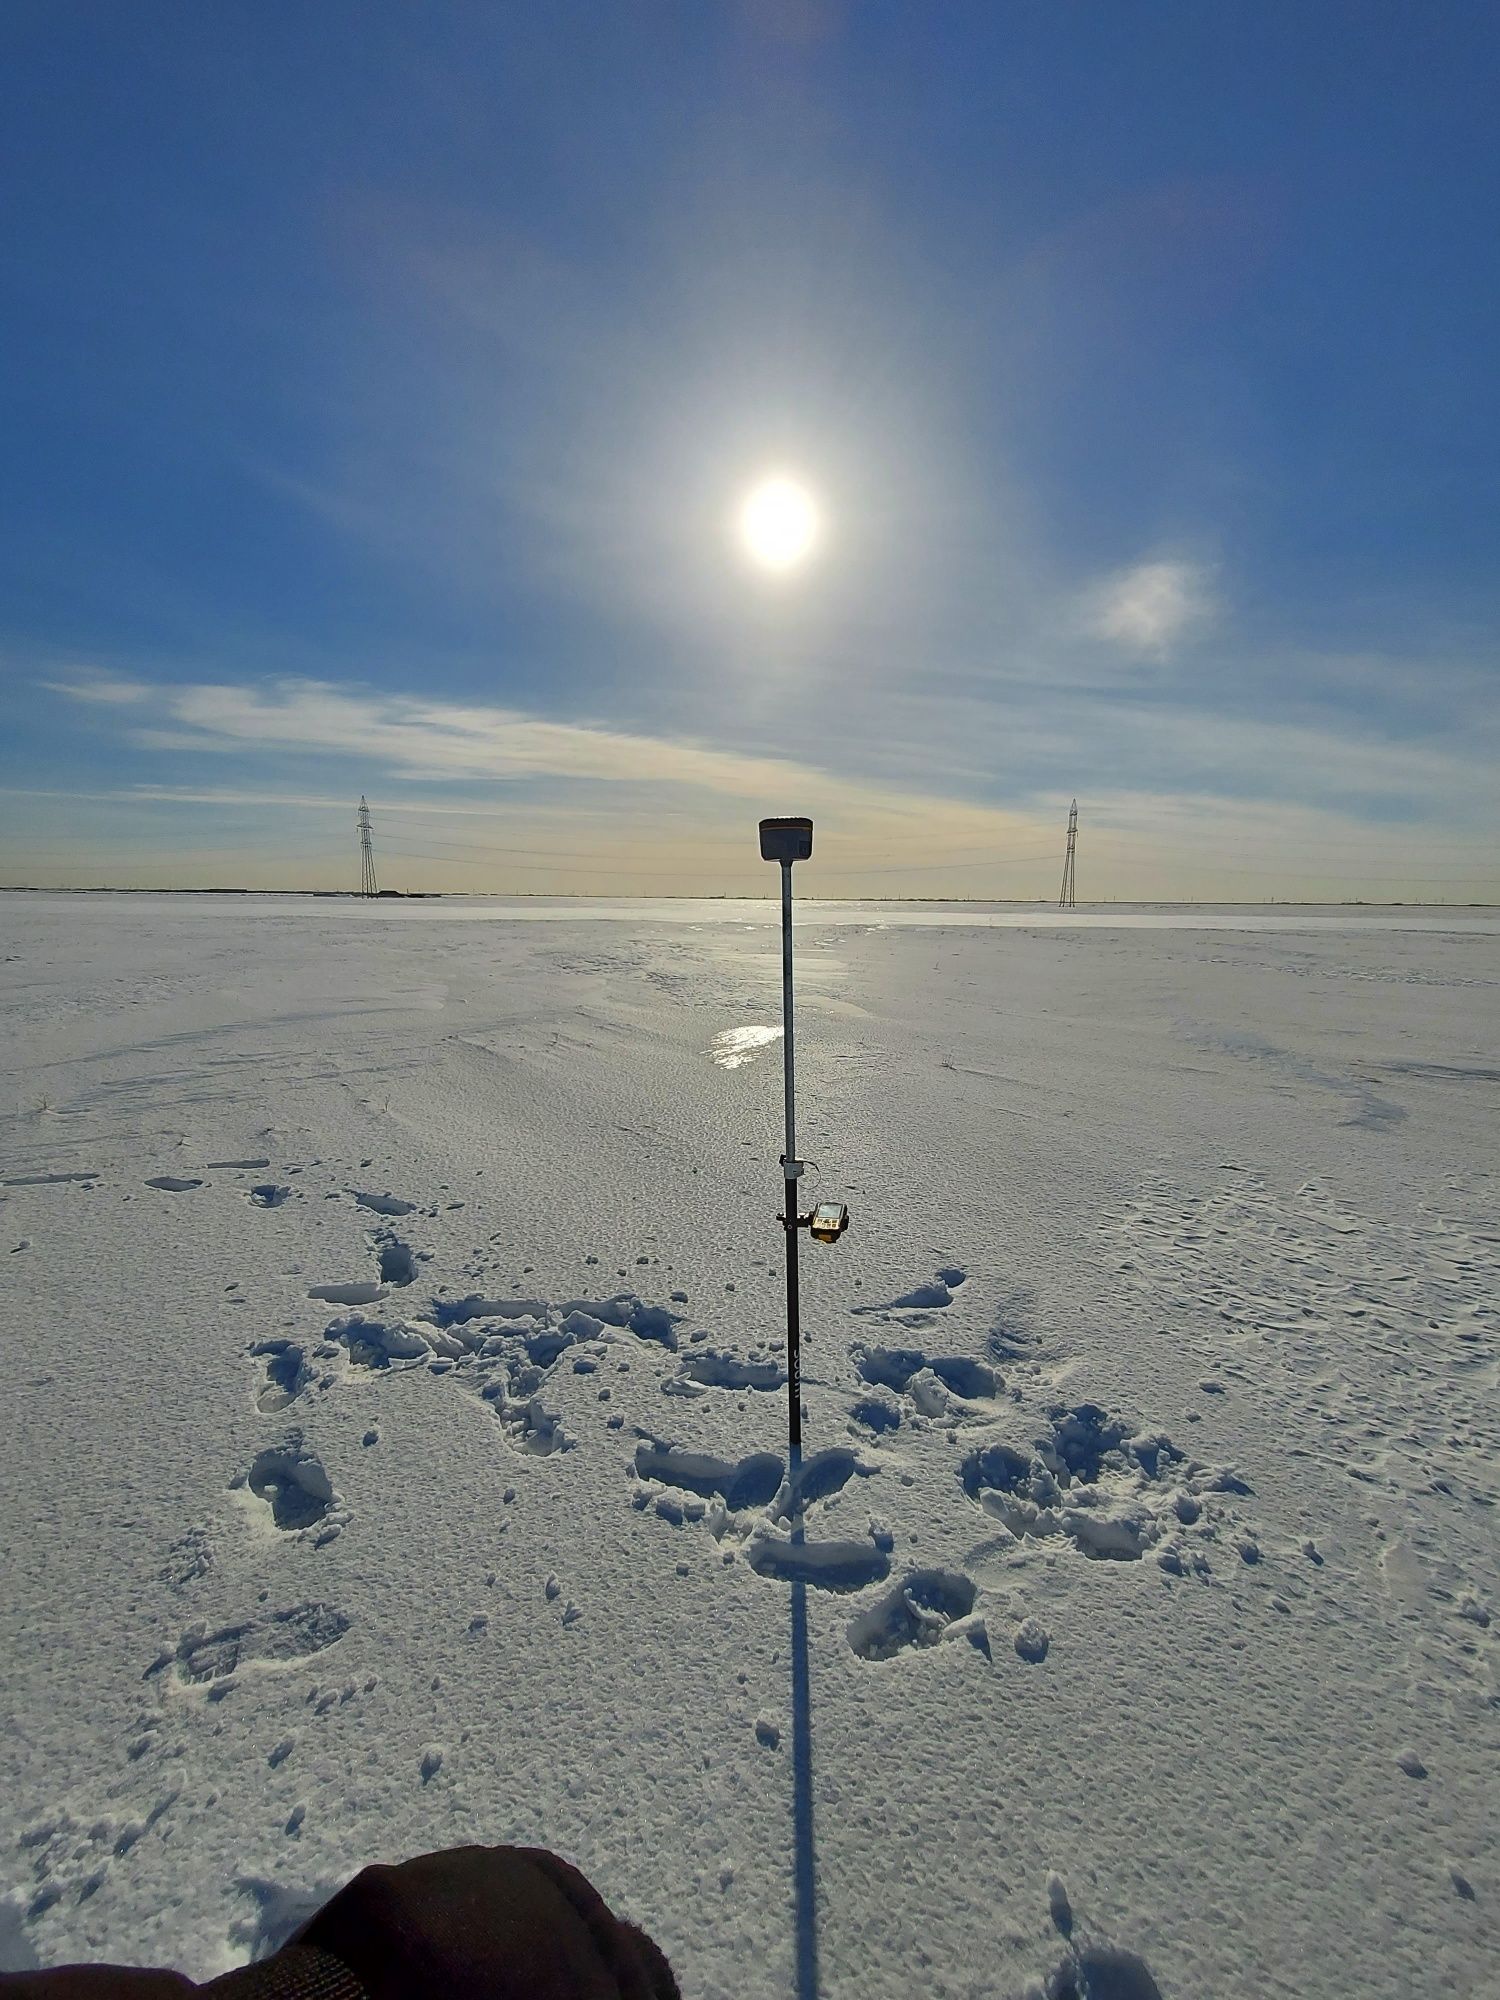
<point>393,1433</point>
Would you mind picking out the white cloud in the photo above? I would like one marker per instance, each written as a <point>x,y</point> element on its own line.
<point>424,738</point>
<point>100,687</point>
<point>659,780</point>
<point>1147,609</point>
<point>1201,802</point>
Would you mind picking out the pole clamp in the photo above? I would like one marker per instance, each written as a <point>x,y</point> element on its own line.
<point>791,1169</point>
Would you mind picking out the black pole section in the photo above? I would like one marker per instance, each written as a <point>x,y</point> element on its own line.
<point>793,1334</point>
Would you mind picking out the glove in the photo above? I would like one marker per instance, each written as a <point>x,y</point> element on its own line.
<point>486,1923</point>
<point>471,1923</point>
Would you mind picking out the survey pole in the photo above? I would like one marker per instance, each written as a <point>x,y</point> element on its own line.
<point>787,841</point>
<point>792,1168</point>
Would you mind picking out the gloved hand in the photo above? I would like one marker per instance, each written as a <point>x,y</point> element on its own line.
<point>505,1923</point>
<point>471,1923</point>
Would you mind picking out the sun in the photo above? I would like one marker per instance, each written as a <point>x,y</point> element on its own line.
<point>778,524</point>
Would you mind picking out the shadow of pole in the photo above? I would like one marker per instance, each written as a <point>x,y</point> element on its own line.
<point>804,1855</point>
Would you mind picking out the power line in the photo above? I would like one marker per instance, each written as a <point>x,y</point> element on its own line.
<point>1327,874</point>
<point>478,857</point>
<point>551,867</point>
<point>857,868</point>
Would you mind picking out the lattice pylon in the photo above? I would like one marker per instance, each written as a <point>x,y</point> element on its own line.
<point>367,884</point>
<point>1066,900</point>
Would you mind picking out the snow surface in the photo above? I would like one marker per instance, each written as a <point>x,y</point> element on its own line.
<point>394,1425</point>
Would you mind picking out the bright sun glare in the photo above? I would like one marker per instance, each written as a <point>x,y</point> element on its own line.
<point>779,523</point>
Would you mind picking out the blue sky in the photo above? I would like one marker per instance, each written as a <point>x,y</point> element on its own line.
<point>382,382</point>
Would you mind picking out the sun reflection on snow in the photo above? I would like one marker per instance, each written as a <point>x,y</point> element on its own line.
<point>741,1045</point>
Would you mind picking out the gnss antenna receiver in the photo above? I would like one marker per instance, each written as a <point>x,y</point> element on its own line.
<point>787,841</point>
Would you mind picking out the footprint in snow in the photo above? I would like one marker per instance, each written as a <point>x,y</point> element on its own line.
<point>1091,1480</point>
<point>361,1293</point>
<point>927,1606</point>
<point>70,1857</point>
<point>505,1348</point>
<point>1032,1641</point>
<point>52,1180</point>
<point>398,1263</point>
<point>279,1639</point>
<point>287,1373</point>
<point>752,1500</point>
<point>189,1558</point>
<point>713,1369</point>
<point>269,1194</point>
<point>384,1204</point>
<point>293,1482</point>
<point>950,1387</point>
<point>922,1298</point>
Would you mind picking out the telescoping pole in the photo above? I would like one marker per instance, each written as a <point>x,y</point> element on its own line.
<point>787,841</point>
<point>792,1168</point>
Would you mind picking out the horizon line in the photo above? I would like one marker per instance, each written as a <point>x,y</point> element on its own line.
<point>727,896</point>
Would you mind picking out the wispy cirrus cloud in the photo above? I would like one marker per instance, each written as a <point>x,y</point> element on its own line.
<point>423,739</point>
<point>417,738</point>
<point>411,739</point>
<point>1148,609</point>
<point>110,690</point>
<point>1172,795</point>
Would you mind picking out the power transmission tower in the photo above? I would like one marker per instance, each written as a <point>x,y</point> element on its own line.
<point>366,852</point>
<point>1066,900</point>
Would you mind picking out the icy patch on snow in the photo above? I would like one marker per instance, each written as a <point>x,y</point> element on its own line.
<point>737,1046</point>
<point>48,1180</point>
